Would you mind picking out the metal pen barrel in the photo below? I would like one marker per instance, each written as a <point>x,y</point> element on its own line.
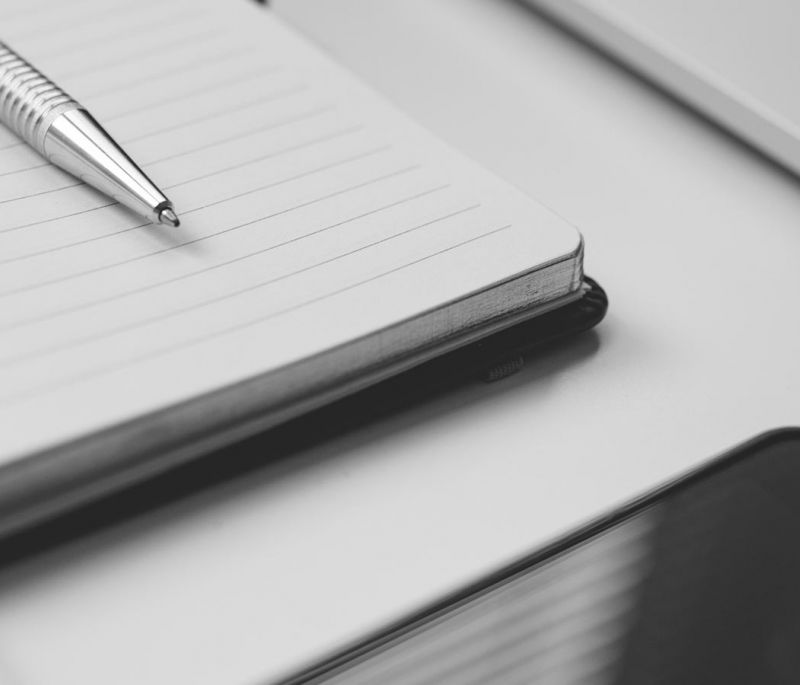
<point>63,132</point>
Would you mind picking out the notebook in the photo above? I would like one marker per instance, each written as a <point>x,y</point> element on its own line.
<point>327,242</point>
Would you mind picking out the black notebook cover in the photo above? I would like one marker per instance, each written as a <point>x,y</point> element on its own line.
<point>489,359</point>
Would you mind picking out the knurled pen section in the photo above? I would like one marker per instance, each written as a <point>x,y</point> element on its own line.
<point>29,101</point>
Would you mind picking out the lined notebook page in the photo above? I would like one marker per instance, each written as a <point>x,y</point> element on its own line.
<point>312,214</point>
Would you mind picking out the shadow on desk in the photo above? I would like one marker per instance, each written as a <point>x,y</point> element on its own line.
<point>299,445</point>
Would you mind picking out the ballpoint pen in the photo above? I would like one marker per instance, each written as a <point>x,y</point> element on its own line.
<point>62,131</point>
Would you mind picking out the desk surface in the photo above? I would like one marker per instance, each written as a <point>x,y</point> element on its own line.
<point>695,238</point>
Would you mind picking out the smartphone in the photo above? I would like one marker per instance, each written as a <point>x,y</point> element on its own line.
<point>697,583</point>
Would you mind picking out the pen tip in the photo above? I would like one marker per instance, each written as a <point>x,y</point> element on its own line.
<point>168,216</point>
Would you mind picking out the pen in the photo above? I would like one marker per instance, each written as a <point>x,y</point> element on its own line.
<point>63,132</point>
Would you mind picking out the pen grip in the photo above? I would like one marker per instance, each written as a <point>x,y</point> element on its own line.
<point>29,101</point>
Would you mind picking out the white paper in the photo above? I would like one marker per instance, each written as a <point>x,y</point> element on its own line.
<point>312,214</point>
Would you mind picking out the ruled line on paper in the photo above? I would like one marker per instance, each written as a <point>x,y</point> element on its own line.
<point>168,72</point>
<point>30,168</point>
<point>270,155</point>
<point>303,116</point>
<point>105,267</point>
<point>89,43</point>
<point>205,87</point>
<point>274,184</point>
<point>164,73</point>
<point>237,136</point>
<point>36,8</point>
<point>133,31</point>
<point>59,218</point>
<point>153,354</point>
<point>224,83</point>
<point>55,11</point>
<point>19,143</point>
<point>163,316</point>
<point>226,169</point>
<point>239,165</point>
<point>86,241</point>
<point>126,58</point>
<point>273,97</point>
<point>197,272</point>
<point>368,280</point>
<point>203,177</point>
<point>250,191</point>
<point>236,107</point>
<point>39,194</point>
<point>6,134</point>
<point>145,224</point>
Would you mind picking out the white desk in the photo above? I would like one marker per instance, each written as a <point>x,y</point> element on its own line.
<point>697,241</point>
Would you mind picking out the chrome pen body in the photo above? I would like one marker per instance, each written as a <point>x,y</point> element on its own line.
<point>63,132</point>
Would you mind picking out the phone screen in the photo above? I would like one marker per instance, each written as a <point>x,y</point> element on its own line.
<point>697,584</point>
<point>717,599</point>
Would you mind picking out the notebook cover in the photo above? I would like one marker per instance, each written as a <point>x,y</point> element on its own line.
<point>486,360</point>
